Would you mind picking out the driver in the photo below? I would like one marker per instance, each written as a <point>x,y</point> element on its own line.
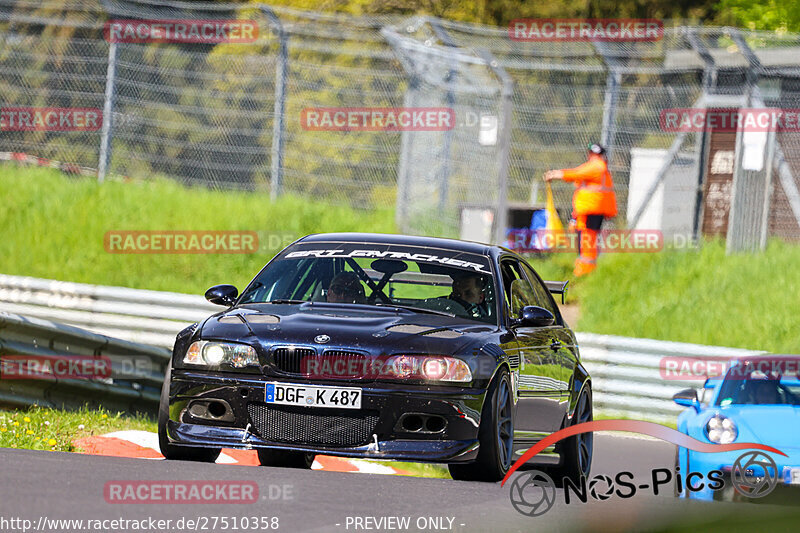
<point>765,392</point>
<point>469,291</point>
<point>346,288</point>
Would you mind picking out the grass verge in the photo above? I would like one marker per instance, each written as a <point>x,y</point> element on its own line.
<point>53,227</point>
<point>699,296</point>
<point>40,428</point>
<point>421,469</point>
<point>702,296</point>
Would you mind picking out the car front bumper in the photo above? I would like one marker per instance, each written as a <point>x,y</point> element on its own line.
<point>319,430</point>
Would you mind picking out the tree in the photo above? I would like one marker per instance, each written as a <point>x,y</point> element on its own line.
<point>779,15</point>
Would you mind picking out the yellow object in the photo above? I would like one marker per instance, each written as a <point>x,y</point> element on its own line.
<point>553,222</point>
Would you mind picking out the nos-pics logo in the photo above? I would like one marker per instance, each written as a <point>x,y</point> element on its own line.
<point>753,475</point>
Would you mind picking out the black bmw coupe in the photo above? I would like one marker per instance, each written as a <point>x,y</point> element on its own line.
<point>382,347</point>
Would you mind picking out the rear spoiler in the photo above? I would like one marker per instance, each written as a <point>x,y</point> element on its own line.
<point>558,287</point>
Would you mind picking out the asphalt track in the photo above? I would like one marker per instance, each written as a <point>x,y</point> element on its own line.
<point>63,485</point>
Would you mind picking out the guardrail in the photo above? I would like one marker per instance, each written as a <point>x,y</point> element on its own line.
<point>130,381</point>
<point>625,371</point>
<point>149,317</point>
<point>626,374</point>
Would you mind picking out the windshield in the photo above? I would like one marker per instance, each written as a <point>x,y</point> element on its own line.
<point>428,280</point>
<point>762,383</point>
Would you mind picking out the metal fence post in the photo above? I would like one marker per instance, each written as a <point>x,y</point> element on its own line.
<point>709,82</point>
<point>742,235</point>
<point>403,182</point>
<point>772,141</point>
<point>609,131</point>
<point>444,170</point>
<point>108,111</point>
<point>610,102</point>
<point>504,144</point>
<point>785,176</point>
<point>278,122</point>
<point>504,154</point>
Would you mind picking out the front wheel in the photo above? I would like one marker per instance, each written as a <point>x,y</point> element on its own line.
<point>285,458</point>
<point>174,451</point>
<point>496,436</point>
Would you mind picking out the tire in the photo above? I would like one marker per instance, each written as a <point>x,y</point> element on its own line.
<point>496,436</point>
<point>576,451</point>
<point>174,452</point>
<point>285,458</point>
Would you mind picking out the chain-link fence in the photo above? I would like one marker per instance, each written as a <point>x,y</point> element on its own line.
<point>228,115</point>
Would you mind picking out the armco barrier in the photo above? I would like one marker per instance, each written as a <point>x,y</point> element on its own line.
<point>625,371</point>
<point>149,317</point>
<point>626,374</point>
<point>133,383</point>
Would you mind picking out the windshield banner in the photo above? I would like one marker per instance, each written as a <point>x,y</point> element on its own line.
<point>466,261</point>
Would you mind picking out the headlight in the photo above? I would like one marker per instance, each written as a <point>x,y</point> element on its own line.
<point>428,367</point>
<point>721,429</point>
<point>210,353</point>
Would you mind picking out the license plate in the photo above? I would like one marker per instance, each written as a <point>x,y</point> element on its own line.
<point>791,476</point>
<point>313,396</point>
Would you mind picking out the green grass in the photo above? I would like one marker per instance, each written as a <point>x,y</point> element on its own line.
<point>701,296</point>
<point>600,416</point>
<point>38,428</point>
<point>419,469</point>
<point>53,227</point>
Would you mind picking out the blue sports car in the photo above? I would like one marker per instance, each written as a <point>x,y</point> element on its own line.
<point>756,400</point>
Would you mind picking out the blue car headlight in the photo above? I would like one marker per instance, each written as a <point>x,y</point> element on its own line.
<point>212,353</point>
<point>721,430</point>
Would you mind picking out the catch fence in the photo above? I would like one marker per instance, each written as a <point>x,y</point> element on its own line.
<point>228,115</point>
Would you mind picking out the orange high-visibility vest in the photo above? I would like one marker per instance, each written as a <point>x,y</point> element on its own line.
<point>594,188</point>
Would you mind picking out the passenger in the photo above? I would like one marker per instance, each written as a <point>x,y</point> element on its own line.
<point>346,288</point>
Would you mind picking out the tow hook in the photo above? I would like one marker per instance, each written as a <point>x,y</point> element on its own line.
<point>374,447</point>
<point>246,435</point>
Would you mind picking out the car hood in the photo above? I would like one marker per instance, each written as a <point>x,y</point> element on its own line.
<point>376,330</point>
<point>773,425</point>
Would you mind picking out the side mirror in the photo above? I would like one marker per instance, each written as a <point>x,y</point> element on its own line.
<point>534,316</point>
<point>222,295</point>
<point>687,398</point>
